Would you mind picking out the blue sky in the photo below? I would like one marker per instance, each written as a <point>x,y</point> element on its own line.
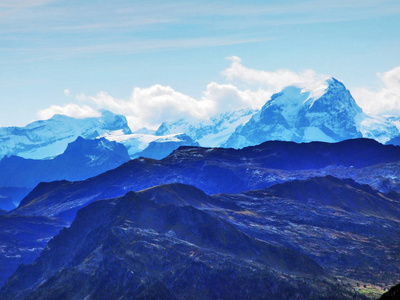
<point>76,57</point>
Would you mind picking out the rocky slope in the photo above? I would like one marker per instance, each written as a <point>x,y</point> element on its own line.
<point>348,228</point>
<point>137,248</point>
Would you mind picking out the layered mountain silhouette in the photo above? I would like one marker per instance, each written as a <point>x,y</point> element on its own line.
<point>146,245</point>
<point>214,170</point>
<point>81,160</point>
<point>348,229</point>
<point>327,113</point>
<point>315,216</point>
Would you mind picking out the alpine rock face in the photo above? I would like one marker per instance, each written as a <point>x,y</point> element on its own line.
<point>329,115</point>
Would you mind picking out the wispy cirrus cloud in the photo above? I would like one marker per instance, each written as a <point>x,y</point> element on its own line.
<point>188,18</point>
<point>18,4</point>
<point>128,47</point>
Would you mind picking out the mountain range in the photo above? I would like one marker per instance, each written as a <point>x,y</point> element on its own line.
<point>175,241</point>
<point>173,230</point>
<point>328,114</point>
<point>295,205</point>
<point>82,159</point>
<point>359,217</point>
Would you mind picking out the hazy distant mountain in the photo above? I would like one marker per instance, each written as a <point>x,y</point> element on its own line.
<point>82,159</point>
<point>48,138</point>
<point>10,196</point>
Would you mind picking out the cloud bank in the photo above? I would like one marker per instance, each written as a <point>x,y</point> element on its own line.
<point>71,110</point>
<point>384,101</point>
<point>149,107</point>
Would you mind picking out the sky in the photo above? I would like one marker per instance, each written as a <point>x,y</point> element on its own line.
<point>156,61</point>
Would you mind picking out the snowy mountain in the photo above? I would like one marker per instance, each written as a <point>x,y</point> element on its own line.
<point>82,159</point>
<point>383,129</point>
<point>208,133</point>
<point>48,138</point>
<point>184,132</point>
<point>149,145</point>
<point>329,114</point>
<point>165,145</point>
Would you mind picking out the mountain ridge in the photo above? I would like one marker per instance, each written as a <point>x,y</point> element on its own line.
<point>214,170</point>
<point>178,245</point>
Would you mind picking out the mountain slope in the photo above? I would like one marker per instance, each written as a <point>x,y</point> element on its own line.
<point>48,138</point>
<point>346,195</point>
<point>81,159</point>
<point>130,247</point>
<point>213,170</point>
<point>22,239</point>
<point>349,229</point>
<point>299,116</point>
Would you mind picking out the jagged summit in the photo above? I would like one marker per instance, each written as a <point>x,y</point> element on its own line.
<point>48,138</point>
<point>82,159</point>
<point>325,114</point>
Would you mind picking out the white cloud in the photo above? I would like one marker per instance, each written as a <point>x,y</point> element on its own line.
<point>66,92</point>
<point>149,107</point>
<point>384,101</point>
<point>274,81</point>
<point>70,110</point>
<point>226,97</point>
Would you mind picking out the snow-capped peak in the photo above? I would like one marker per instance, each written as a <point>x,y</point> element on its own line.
<point>326,113</point>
